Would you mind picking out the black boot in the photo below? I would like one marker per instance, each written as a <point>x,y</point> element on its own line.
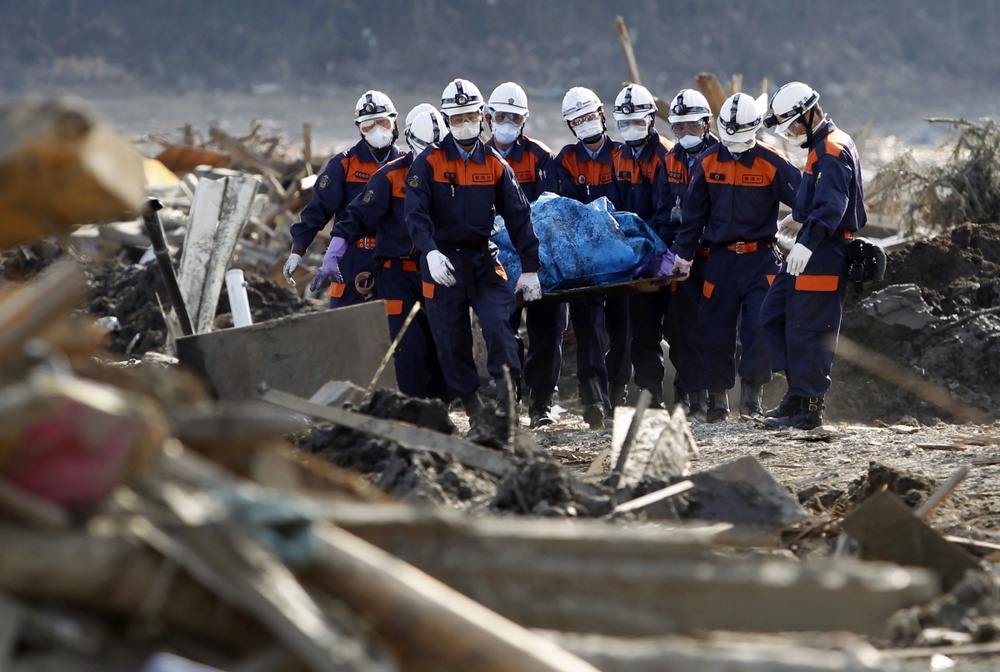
<point>540,412</point>
<point>751,398</point>
<point>619,395</point>
<point>718,406</point>
<point>809,414</point>
<point>788,403</point>
<point>593,403</point>
<point>480,420</point>
<point>698,405</point>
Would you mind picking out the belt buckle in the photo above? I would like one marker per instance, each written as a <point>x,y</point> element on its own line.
<point>741,247</point>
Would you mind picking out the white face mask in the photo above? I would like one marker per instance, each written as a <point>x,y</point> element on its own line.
<point>467,131</point>
<point>379,137</point>
<point>589,130</point>
<point>737,148</point>
<point>506,134</point>
<point>634,133</point>
<point>691,142</point>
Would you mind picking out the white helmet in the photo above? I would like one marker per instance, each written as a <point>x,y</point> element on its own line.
<point>461,96</point>
<point>689,105</point>
<point>739,118</point>
<point>426,127</point>
<point>579,101</point>
<point>634,102</point>
<point>412,114</point>
<point>509,97</point>
<point>789,103</point>
<point>373,105</point>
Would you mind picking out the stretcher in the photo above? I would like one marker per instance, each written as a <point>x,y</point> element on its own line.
<point>637,286</point>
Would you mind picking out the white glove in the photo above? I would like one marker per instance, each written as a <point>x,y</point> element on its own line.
<point>442,272</point>
<point>682,268</point>
<point>290,266</point>
<point>528,285</point>
<point>797,259</point>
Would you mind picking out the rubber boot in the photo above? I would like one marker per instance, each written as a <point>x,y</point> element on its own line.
<point>593,404</point>
<point>698,405</point>
<point>751,399</point>
<point>718,406</point>
<point>784,408</point>
<point>619,395</point>
<point>540,413</point>
<point>809,414</point>
<point>480,423</point>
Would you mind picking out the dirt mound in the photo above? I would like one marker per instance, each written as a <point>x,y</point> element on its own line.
<point>958,276</point>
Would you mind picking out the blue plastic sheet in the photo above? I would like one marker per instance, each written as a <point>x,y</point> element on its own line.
<point>582,245</point>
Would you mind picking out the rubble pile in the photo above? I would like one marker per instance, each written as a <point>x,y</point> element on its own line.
<point>938,313</point>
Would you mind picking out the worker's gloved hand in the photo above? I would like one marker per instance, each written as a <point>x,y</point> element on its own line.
<point>682,268</point>
<point>797,259</point>
<point>442,272</point>
<point>660,266</point>
<point>331,264</point>
<point>290,266</point>
<point>529,287</point>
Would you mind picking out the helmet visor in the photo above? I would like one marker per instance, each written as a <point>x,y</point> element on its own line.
<point>501,117</point>
<point>584,118</point>
<point>367,126</point>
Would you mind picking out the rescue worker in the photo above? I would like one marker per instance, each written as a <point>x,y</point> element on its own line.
<point>534,167</point>
<point>690,120</point>
<point>397,278</point>
<point>452,191</point>
<point>586,172</point>
<point>640,170</point>
<point>732,204</point>
<point>343,178</point>
<point>805,305</point>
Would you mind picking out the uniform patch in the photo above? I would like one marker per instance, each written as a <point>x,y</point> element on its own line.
<point>581,179</point>
<point>482,177</point>
<point>324,182</point>
<point>413,182</point>
<point>717,177</point>
<point>369,195</point>
<point>753,179</point>
<point>360,174</point>
<point>675,175</point>
<point>524,176</point>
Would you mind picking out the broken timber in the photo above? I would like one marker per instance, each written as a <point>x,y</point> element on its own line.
<point>591,576</point>
<point>466,452</point>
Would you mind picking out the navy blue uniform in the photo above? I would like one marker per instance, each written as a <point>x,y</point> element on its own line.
<point>535,170</point>
<point>397,279</point>
<point>732,205</point>
<point>802,312</point>
<point>586,179</point>
<point>343,178</point>
<point>683,327</point>
<point>643,189</point>
<point>450,204</point>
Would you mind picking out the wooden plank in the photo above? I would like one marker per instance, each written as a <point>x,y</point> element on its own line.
<point>183,158</point>
<point>466,452</point>
<point>203,222</point>
<point>888,530</point>
<point>593,576</point>
<point>654,497</point>
<point>711,88</point>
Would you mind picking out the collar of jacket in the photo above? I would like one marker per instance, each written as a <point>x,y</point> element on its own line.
<point>746,158</point>
<point>825,128</point>
<point>365,153</point>
<point>515,152</point>
<point>603,154</point>
<point>451,150</point>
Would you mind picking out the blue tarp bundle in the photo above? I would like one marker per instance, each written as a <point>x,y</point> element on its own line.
<point>582,245</point>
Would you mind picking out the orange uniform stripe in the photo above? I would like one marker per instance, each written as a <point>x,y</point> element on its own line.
<point>393,306</point>
<point>770,279</point>
<point>456,171</point>
<point>428,290</point>
<point>817,283</point>
<point>501,271</point>
<point>707,289</point>
<point>337,290</point>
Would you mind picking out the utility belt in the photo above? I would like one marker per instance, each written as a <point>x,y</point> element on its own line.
<point>366,243</point>
<point>745,246</point>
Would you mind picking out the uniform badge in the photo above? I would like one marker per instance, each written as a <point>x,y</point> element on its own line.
<point>413,182</point>
<point>324,182</point>
<point>581,179</point>
<point>369,195</point>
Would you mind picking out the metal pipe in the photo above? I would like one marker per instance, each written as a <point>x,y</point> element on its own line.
<point>155,230</point>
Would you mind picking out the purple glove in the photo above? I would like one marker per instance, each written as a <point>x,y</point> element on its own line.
<point>331,264</point>
<point>660,266</point>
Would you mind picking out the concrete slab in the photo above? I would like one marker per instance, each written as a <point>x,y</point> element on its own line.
<point>296,354</point>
